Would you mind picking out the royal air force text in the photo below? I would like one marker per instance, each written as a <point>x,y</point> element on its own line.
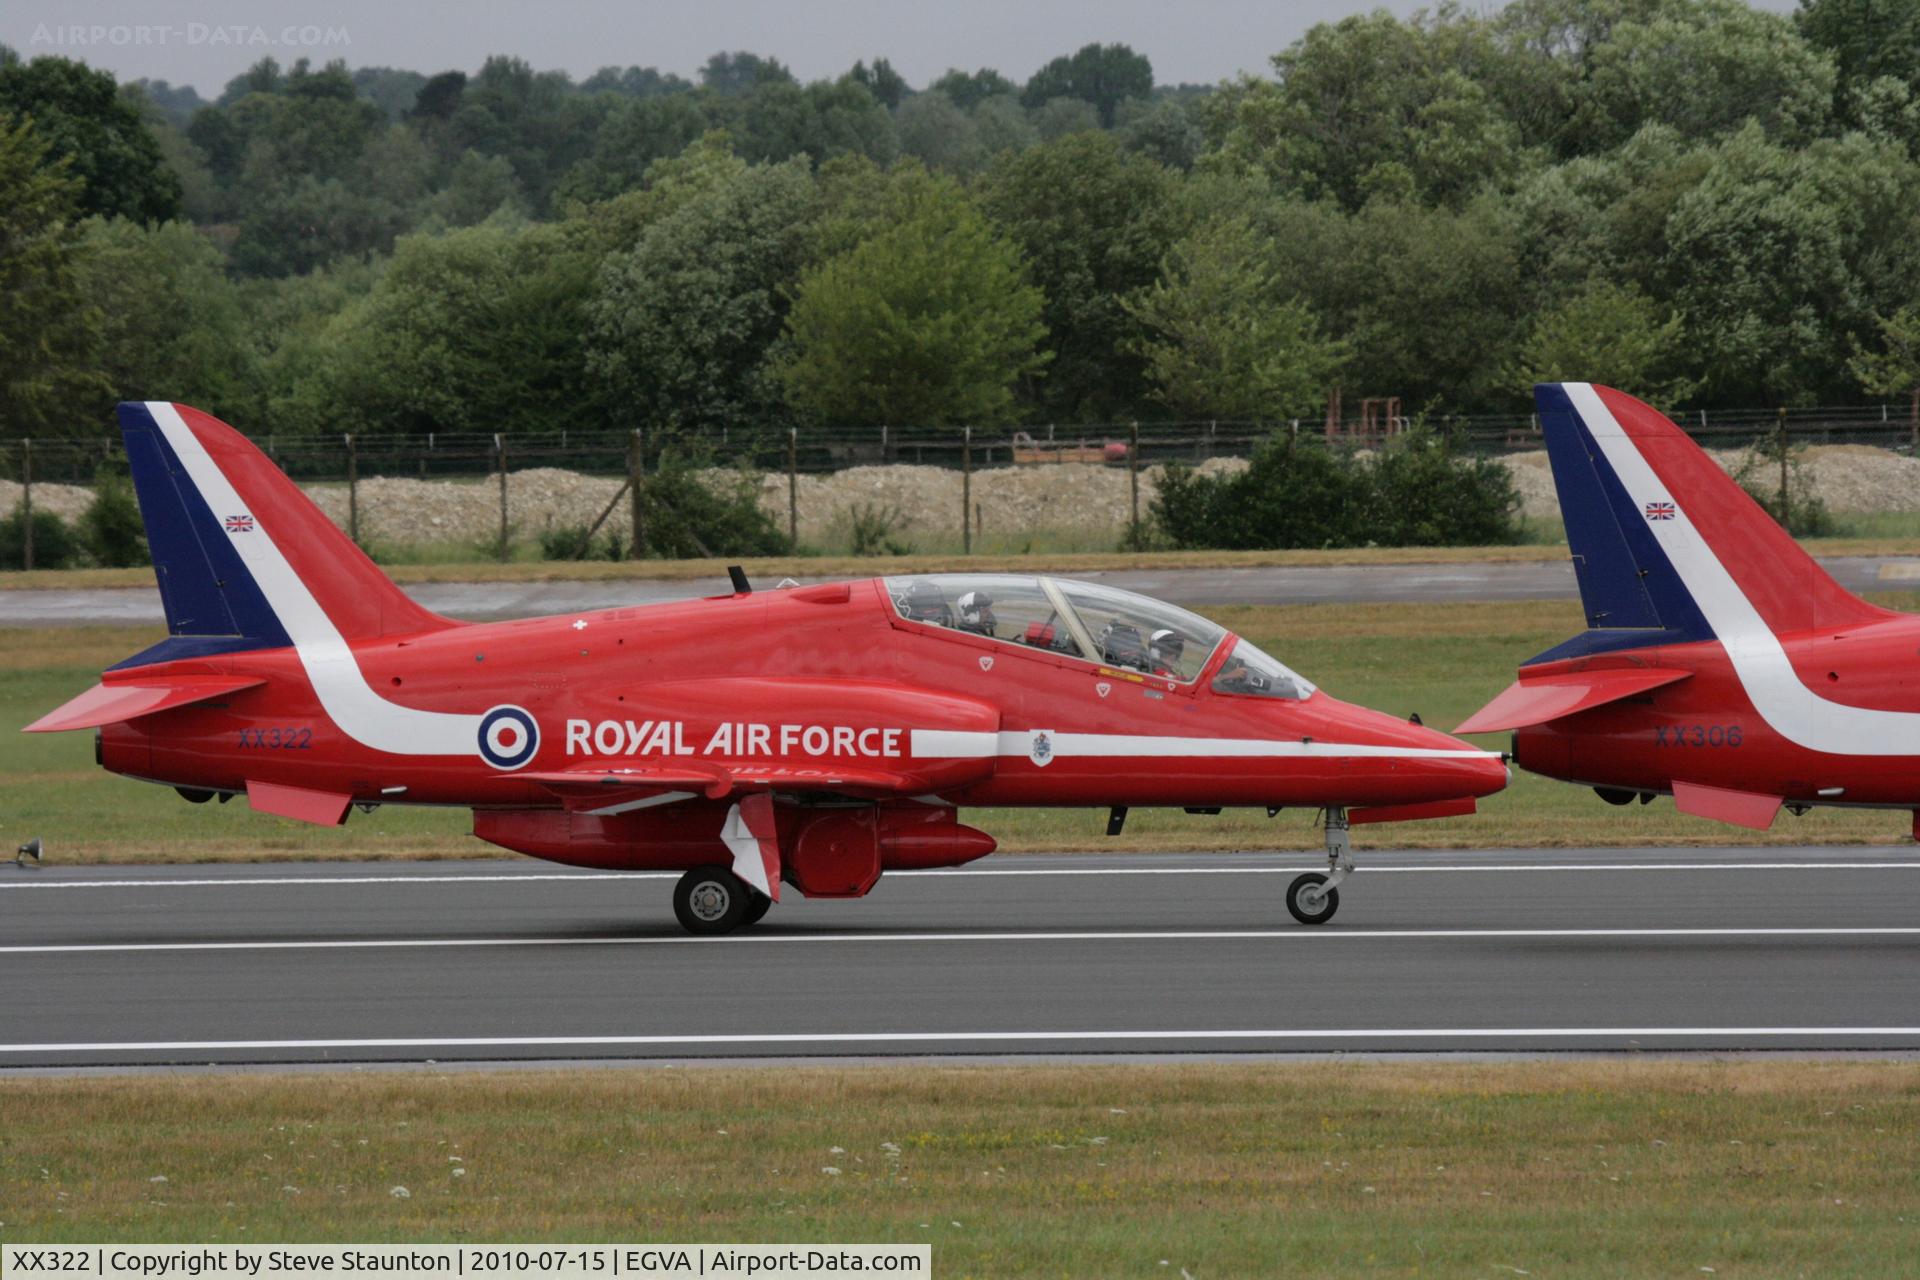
<point>671,738</point>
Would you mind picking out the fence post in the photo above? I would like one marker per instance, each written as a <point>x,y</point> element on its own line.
<point>1133,483</point>
<point>500,449</point>
<point>1916,417</point>
<point>26,502</point>
<point>886,449</point>
<point>966,491</point>
<point>636,467</point>
<point>793,486</point>
<point>353,490</point>
<point>1786,515</point>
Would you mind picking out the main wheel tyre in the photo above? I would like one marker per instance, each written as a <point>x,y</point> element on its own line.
<point>758,904</point>
<point>1309,903</point>
<point>710,900</point>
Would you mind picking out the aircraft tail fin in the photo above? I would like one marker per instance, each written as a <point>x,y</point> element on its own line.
<point>1666,546</point>
<point>243,558</point>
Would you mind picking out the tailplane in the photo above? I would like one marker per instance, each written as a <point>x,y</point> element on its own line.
<point>244,560</point>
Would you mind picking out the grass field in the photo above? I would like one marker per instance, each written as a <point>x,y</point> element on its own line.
<point>1569,1168</point>
<point>1440,660</point>
<point>992,559</point>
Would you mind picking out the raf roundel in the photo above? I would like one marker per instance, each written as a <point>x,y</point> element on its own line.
<point>508,737</point>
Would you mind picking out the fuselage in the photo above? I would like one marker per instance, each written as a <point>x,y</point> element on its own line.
<point>826,681</point>
<point>1793,729</point>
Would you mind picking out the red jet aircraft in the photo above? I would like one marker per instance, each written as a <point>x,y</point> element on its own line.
<point>1722,665</point>
<point>816,735</point>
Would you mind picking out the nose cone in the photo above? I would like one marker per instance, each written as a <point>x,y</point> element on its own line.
<point>1407,763</point>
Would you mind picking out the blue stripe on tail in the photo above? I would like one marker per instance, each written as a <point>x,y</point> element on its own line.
<point>212,603</point>
<point>1632,595</point>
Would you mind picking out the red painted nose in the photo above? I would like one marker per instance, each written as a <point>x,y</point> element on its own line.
<point>1415,764</point>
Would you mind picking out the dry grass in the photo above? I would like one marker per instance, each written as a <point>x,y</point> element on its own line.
<point>1564,1168</point>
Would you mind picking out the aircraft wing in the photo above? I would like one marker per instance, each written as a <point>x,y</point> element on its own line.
<point>1537,699</point>
<point>617,788</point>
<point>110,702</point>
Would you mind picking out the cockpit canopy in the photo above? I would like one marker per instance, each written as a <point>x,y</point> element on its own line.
<point>1096,623</point>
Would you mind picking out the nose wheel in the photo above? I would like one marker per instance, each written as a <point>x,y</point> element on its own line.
<point>1312,898</point>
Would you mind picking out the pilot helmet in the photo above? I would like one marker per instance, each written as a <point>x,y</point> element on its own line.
<point>923,601</point>
<point>1166,645</point>
<point>1120,644</point>
<point>976,611</point>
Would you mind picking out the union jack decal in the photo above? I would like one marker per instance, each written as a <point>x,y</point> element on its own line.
<point>1659,511</point>
<point>239,524</point>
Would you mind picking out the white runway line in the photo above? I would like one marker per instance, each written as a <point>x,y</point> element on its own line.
<point>1912,864</point>
<point>1088,935</point>
<point>949,1037</point>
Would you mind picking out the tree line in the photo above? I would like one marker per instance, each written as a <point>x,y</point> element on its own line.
<point>1698,201</point>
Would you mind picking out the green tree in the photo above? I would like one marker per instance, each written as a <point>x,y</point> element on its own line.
<point>683,322</point>
<point>532,118</point>
<point>636,134</point>
<point>1167,131</point>
<point>887,86</point>
<point>939,134</point>
<point>480,330</point>
<point>824,119</point>
<point>1868,39</point>
<point>1704,68</point>
<point>969,90</point>
<point>1223,341</point>
<point>739,74</point>
<point>1428,300</point>
<point>1062,117</point>
<point>49,328</point>
<point>1103,74</point>
<point>928,321</point>
<point>1610,334</point>
<point>1778,260</point>
<point>81,117</point>
<point>1894,368</point>
<point>1094,223</point>
<point>1003,125</point>
<point>172,325</point>
<point>1372,104</point>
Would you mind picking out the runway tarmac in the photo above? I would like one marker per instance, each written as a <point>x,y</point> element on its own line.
<point>1512,951</point>
<point>1402,583</point>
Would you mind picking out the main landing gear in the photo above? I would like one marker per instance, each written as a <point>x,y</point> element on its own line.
<point>712,900</point>
<point>1313,898</point>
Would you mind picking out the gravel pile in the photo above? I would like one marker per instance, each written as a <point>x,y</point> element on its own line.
<point>398,512</point>
<point>1847,477</point>
<point>68,501</point>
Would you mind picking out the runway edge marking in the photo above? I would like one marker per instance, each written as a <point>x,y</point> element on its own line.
<point>1081,935</point>
<point>938,1037</point>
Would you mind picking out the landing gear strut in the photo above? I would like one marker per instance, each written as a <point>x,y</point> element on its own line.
<point>1313,898</point>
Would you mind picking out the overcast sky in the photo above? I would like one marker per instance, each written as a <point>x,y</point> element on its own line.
<point>207,42</point>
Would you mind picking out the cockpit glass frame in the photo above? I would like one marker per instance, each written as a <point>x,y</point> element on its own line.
<point>1105,627</point>
<point>1247,671</point>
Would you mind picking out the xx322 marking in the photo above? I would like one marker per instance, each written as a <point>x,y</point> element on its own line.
<point>290,738</point>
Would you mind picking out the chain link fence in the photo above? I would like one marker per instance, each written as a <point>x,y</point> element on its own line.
<point>342,466</point>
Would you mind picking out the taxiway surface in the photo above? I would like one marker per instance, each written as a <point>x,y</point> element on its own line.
<point>1587,950</point>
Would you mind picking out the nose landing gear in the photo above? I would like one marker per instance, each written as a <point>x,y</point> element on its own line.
<point>1313,898</point>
